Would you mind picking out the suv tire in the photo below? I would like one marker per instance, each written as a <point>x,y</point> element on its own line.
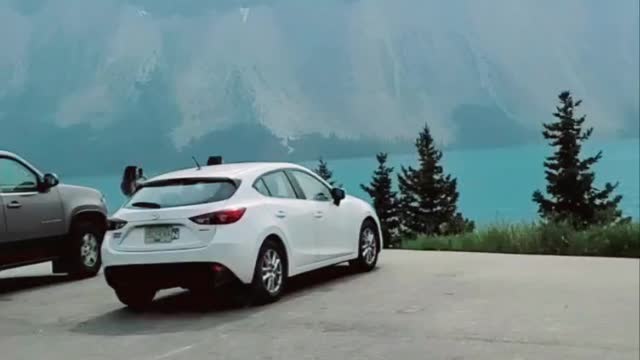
<point>83,256</point>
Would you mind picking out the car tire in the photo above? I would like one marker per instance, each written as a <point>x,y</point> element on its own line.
<point>270,273</point>
<point>203,295</point>
<point>83,255</point>
<point>368,248</point>
<point>137,299</point>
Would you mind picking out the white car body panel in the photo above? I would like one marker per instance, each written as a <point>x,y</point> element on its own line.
<point>310,241</point>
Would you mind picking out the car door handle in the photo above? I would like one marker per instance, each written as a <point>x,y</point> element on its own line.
<point>281,214</point>
<point>14,205</point>
<point>318,214</point>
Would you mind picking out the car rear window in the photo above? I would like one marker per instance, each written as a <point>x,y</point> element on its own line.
<point>181,192</point>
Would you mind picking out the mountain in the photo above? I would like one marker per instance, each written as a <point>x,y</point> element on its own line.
<point>90,86</point>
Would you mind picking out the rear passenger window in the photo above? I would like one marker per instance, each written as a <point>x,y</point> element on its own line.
<point>278,185</point>
<point>262,188</point>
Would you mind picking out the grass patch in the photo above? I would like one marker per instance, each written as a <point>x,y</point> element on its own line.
<point>621,240</point>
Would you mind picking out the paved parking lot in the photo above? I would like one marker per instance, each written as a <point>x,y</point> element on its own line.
<point>416,305</point>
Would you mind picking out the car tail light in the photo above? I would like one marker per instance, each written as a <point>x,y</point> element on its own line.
<point>219,217</point>
<point>115,224</point>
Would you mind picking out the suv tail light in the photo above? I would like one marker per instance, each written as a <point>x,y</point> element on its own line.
<point>115,224</point>
<point>219,217</point>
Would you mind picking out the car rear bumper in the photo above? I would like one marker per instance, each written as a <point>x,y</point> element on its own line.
<point>163,276</point>
<point>236,256</point>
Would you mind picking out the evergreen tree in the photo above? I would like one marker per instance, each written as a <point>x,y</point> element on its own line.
<point>572,196</point>
<point>324,172</point>
<point>385,201</point>
<point>428,199</point>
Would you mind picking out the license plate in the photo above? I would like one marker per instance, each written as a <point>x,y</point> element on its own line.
<point>161,234</point>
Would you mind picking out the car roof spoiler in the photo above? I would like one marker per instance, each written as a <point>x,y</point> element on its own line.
<point>130,175</point>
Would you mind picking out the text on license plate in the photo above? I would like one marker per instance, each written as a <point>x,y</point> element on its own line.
<point>161,234</point>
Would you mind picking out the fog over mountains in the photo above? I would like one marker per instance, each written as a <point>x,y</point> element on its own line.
<point>108,82</point>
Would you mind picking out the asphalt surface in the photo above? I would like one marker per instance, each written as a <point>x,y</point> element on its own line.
<point>415,305</point>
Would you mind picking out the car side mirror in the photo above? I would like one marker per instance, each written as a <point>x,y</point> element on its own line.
<point>338,195</point>
<point>49,181</point>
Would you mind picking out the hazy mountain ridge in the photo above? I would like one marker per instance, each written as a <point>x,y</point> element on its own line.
<point>194,75</point>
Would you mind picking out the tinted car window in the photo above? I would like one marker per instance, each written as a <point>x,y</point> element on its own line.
<point>15,177</point>
<point>312,188</point>
<point>278,185</point>
<point>181,192</point>
<point>262,187</point>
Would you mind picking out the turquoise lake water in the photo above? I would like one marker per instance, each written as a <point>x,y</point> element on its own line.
<point>495,185</point>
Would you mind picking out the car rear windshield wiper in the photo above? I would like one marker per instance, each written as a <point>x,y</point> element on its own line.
<point>147,205</point>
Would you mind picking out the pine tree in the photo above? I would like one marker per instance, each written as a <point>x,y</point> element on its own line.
<point>385,201</point>
<point>428,200</point>
<point>572,196</point>
<point>324,172</point>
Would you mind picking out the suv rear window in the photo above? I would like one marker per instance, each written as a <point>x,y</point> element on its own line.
<point>181,192</point>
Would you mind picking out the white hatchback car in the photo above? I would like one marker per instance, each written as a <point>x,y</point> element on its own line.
<point>260,223</point>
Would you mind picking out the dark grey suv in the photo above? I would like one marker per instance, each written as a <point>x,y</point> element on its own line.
<point>42,220</point>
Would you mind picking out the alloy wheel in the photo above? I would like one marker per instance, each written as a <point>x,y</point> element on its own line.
<point>89,250</point>
<point>271,271</point>
<point>368,244</point>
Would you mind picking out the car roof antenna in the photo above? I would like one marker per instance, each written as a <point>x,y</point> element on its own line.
<point>196,161</point>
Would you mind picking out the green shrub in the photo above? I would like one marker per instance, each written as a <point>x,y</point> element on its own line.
<point>618,240</point>
<point>555,237</point>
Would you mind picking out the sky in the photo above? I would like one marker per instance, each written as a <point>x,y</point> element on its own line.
<point>359,69</point>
